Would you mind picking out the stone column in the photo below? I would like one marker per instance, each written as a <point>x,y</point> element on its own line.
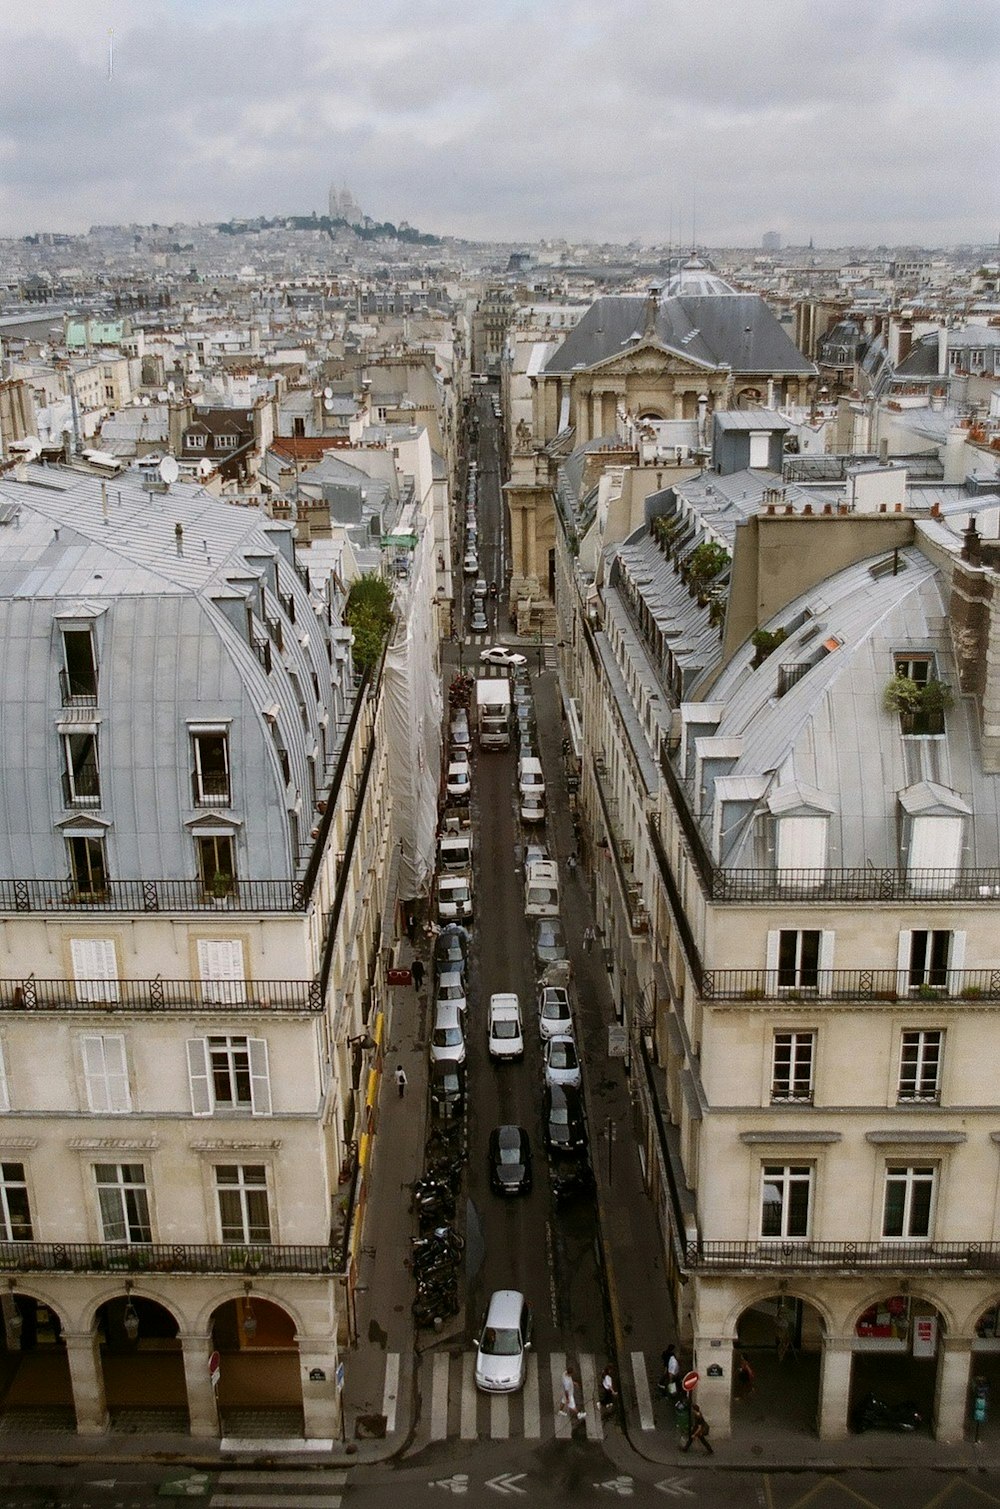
<point>951,1393</point>
<point>834,1387</point>
<point>597,410</point>
<point>320,1396</point>
<point>83,1353</point>
<point>202,1405</point>
<point>715,1395</point>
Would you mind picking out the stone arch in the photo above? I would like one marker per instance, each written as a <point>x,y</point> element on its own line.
<point>779,1336</point>
<point>897,1353</point>
<point>201,1323</point>
<point>141,1358</point>
<point>139,1290</point>
<point>648,412</point>
<point>257,1339</point>
<point>989,1305</point>
<point>34,1362</point>
<point>910,1291</point>
<point>793,1290</point>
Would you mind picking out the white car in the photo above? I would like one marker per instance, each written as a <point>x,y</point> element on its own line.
<point>555,1018</point>
<point>498,654</point>
<point>471,564</point>
<point>505,1026</point>
<point>532,809</point>
<point>458,784</point>
<point>447,1037</point>
<point>503,1342</point>
<point>451,988</point>
<point>454,893</point>
<point>562,1063</point>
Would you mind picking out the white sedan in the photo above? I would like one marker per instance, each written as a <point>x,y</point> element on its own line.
<point>498,654</point>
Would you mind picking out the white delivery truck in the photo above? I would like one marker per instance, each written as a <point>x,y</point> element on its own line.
<point>541,889</point>
<point>493,711</point>
<point>455,841</point>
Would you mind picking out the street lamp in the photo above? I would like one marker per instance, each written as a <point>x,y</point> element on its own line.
<point>249,1318</point>
<point>130,1319</point>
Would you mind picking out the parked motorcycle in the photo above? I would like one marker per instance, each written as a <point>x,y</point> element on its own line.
<point>574,1183</point>
<point>426,1314</point>
<point>873,1413</point>
<point>442,1236</point>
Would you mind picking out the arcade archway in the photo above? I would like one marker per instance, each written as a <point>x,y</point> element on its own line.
<point>896,1354</point>
<point>34,1368</point>
<point>260,1386</point>
<point>142,1364</point>
<point>776,1366</point>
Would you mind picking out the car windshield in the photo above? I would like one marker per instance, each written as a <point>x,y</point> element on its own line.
<point>559,1116</point>
<point>562,1056</point>
<point>554,1011</point>
<point>510,1154</point>
<point>449,991</point>
<point>500,1341</point>
<point>505,1029</point>
<point>456,893</point>
<point>447,1037</point>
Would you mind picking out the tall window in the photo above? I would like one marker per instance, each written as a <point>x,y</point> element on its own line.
<point>798,959</point>
<point>105,1070</point>
<point>792,1066</point>
<point>210,775</point>
<point>930,954</point>
<point>229,1073</point>
<point>88,867</point>
<point>230,1060</point>
<point>923,719</point>
<point>786,1199</point>
<point>81,778</point>
<point>243,1206</point>
<point>15,1217</point>
<point>123,1200</point>
<point>920,1065</point>
<point>78,678</point>
<point>909,1200</point>
<point>216,858</point>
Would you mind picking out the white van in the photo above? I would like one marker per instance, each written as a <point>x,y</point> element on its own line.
<point>454,896</point>
<point>530,780</point>
<point>541,889</point>
<point>506,1029</point>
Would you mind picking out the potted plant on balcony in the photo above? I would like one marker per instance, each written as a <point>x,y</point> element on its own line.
<point>222,885</point>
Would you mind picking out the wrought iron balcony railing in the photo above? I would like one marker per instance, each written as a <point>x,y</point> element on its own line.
<point>159,995</point>
<point>850,985</point>
<point>152,896</point>
<point>960,1257</point>
<point>210,789</point>
<point>78,690</point>
<point>165,1257</point>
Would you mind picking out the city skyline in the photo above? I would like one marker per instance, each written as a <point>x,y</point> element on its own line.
<point>529,122</point>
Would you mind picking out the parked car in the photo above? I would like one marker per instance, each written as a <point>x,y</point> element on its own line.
<point>471,563</point>
<point>447,1086</point>
<point>454,896</point>
<point>480,587</point>
<point>459,729</point>
<point>530,776</point>
<point>498,654</point>
<point>555,1018</point>
<point>451,987</point>
<point>458,782</point>
<point>532,809</point>
<point>503,1343</point>
<point>510,1161</point>
<point>447,1037</point>
<point>563,1122</point>
<point>480,623</point>
<point>451,948</point>
<point>506,1030</point>
<point>561,1062</point>
<point>550,943</point>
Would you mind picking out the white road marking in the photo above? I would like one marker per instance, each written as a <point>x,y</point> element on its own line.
<point>439,1397</point>
<point>532,1407</point>
<point>470,1397</point>
<point>641,1380</point>
<point>390,1393</point>
<point>588,1399</point>
<point>564,1425</point>
<point>499,1417</point>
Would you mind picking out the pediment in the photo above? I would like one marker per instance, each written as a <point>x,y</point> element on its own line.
<point>651,359</point>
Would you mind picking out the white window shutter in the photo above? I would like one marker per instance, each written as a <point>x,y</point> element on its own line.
<point>95,968</point>
<point>825,961</point>
<point>773,940</point>
<point>956,961</point>
<point>198,1075</point>
<point>260,1083</point>
<point>903,961</point>
<point>116,1075</point>
<point>95,1074</point>
<point>4,1090</point>
<point>223,977</point>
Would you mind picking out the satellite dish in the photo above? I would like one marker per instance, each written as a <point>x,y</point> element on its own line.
<point>145,403</point>
<point>328,405</point>
<point>169,470</point>
<point>32,447</point>
<point>327,392</point>
<point>205,467</point>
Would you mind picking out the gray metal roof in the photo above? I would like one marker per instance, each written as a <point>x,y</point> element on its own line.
<point>738,331</point>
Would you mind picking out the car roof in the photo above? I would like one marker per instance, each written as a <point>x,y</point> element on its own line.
<point>447,1014</point>
<point>504,1309</point>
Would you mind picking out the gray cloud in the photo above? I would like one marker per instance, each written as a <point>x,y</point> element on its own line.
<point>868,122</point>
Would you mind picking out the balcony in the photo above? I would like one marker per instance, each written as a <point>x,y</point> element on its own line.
<point>77,690</point>
<point>181,1257</point>
<point>210,789</point>
<point>152,896</point>
<point>847,1258</point>
<point>159,995</point>
<point>850,985</point>
<point>82,788</point>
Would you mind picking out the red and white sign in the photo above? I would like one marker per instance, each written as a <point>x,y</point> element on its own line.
<point>690,1382</point>
<point>924,1335</point>
<point>215,1369</point>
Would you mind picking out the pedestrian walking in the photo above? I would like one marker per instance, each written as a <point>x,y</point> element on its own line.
<point>745,1374</point>
<point>697,1429</point>
<point>608,1392</point>
<point>571,865</point>
<point>568,1405</point>
<point>400,1080</point>
<point>417,973</point>
<point>589,937</point>
<point>670,1377</point>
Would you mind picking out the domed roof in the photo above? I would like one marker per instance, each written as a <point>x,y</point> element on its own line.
<point>698,280</point>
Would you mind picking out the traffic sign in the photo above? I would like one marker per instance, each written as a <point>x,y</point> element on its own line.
<point>690,1382</point>
<point>215,1369</point>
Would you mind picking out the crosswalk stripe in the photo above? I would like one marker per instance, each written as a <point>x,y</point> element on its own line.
<point>564,1425</point>
<point>532,1408</point>
<point>499,1417</point>
<point>439,1397</point>
<point>390,1394</point>
<point>588,1389</point>
<point>332,1478</point>
<point>469,1397</point>
<point>642,1394</point>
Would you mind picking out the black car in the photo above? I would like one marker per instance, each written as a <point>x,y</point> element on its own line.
<point>447,1081</point>
<point>451,950</point>
<point>562,1117</point>
<point>550,942</point>
<point>510,1161</point>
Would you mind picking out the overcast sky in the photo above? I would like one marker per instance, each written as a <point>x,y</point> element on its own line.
<point>868,121</point>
